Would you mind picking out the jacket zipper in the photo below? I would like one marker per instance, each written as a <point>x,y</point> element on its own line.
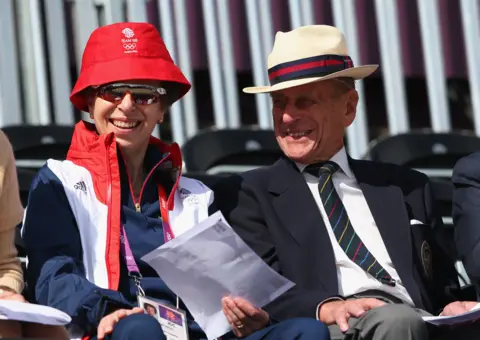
<point>137,203</point>
<point>109,200</point>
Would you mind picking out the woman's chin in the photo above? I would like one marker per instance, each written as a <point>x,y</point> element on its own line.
<point>129,143</point>
<point>126,143</point>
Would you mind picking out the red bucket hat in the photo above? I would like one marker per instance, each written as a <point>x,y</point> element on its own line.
<point>125,51</point>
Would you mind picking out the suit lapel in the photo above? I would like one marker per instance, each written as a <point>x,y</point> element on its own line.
<point>299,214</point>
<point>386,203</point>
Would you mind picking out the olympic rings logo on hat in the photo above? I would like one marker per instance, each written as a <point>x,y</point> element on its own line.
<point>129,46</point>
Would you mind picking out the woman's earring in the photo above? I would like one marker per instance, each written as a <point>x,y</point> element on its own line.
<point>160,121</point>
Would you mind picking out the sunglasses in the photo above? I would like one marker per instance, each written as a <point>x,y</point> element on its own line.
<point>141,94</point>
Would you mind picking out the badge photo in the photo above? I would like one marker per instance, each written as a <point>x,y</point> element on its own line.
<point>172,320</point>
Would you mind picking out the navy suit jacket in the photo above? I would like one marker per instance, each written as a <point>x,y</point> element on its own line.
<point>273,210</point>
<point>466,213</point>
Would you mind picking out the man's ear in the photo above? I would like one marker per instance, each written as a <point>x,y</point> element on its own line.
<point>351,107</point>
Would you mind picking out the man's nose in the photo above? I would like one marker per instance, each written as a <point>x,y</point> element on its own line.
<point>290,114</point>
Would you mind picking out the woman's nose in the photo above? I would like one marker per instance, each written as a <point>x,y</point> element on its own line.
<point>127,103</point>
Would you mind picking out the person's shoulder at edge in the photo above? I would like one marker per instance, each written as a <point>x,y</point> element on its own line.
<point>3,138</point>
<point>6,149</point>
<point>467,167</point>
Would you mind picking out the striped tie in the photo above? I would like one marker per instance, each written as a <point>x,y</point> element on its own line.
<point>346,236</point>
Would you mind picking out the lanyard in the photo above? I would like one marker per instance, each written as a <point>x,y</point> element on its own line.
<point>167,228</point>
<point>132,267</point>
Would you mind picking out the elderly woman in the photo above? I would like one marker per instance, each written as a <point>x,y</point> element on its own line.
<point>118,196</point>
<point>11,276</point>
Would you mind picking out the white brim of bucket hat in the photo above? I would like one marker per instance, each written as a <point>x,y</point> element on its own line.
<point>356,73</point>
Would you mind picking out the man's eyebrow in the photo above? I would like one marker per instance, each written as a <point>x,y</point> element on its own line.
<point>276,95</point>
<point>279,98</point>
<point>296,98</point>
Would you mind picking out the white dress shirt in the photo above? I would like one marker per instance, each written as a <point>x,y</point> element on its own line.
<point>352,278</point>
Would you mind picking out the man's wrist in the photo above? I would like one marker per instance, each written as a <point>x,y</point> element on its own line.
<point>271,321</point>
<point>330,299</point>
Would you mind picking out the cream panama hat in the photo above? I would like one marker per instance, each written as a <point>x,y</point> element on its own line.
<point>309,54</point>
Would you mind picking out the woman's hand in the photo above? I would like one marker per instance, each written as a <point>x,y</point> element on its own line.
<point>8,294</point>
<point>108,322</point>
<point>243,316</point>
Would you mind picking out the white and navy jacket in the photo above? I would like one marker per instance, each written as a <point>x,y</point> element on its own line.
<point>73,220</point>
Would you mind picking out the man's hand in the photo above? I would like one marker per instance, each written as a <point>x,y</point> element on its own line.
<point>458,307</point>
<point>243,316</point>
<point>108,322</point>
<point>338,312</point>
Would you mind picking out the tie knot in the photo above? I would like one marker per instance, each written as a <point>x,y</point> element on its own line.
<point>319,169</point>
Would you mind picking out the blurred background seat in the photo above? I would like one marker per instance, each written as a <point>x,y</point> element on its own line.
<point>34,144</point>
<point>230,151</point>
<point>443,194</point>
<point>210,180</point>
<point>434,154</point>
<point>25,178</point>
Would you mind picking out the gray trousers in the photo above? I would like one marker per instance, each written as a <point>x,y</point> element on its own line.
<point>392,322</point>
<point>396,321</point>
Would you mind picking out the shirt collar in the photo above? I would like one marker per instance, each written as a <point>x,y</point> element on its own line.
<point>340,158</point>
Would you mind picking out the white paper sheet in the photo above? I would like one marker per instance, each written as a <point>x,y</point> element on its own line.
<point>28,312</point>
<point>472,315</point>
<point>211,261</point>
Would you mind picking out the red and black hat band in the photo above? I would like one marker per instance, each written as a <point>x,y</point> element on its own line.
<point>318,66</point>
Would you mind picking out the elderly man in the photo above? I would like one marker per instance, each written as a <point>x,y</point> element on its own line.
<point>361,240</point>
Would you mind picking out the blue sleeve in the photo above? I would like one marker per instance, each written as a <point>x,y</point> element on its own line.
<point>55,273</point>
<point>466,213</point>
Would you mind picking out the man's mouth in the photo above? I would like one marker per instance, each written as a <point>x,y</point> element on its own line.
<point>298,134</point>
